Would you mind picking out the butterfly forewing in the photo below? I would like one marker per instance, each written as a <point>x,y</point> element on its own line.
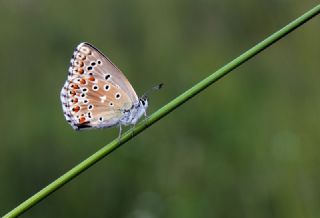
<point>96,92</point>
<point>111,72</point>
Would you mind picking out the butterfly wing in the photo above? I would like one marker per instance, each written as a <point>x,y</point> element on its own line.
<point>96,92</point>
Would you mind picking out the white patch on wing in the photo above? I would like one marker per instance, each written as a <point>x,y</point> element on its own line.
<point>103,98</point>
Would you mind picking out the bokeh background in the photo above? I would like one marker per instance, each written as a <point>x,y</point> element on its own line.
<point>248,146</point>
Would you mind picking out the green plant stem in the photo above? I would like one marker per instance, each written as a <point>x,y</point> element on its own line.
<point>196,89</point>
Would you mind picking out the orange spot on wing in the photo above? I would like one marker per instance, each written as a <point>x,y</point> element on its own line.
<point>81,56</point>
<point>83,81</point>
<point>82,120</point>
<point>76,109</point>
<point>91,78</point>
<point>72,93</point>
<point>75,100</point>
<point>80,70</point>
<point>78,63</point>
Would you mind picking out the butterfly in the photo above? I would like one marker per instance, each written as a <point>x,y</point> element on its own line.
<point>97,94</point>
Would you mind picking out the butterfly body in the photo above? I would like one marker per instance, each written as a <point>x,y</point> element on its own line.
<point>131,116</point>
<point>97,94</point>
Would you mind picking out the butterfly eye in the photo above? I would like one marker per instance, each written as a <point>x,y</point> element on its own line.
<point>143,103</point>
<point>106,87</point>
<point>107,76</point>
<point>95,87</point>
<point>118,96</point>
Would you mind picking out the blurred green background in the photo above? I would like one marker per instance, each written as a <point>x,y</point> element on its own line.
<point>246,147</point>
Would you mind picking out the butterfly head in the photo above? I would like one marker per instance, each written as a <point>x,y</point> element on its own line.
<point>143,101</point>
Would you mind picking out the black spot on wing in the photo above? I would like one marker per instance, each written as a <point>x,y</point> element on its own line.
<point>82,126</point>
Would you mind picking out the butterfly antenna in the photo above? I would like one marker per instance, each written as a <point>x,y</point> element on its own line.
<point>154,88</point>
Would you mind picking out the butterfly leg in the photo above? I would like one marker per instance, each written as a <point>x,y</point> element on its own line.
<point>145,116</point>
<point>120,131</point>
